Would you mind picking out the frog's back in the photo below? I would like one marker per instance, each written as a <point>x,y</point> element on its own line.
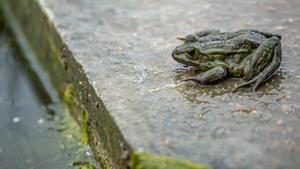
<point>247,40</point>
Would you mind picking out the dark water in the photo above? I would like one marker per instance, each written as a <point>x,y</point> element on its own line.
<point>34,133</point>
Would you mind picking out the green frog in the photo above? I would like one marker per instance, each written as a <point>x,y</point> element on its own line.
<point>249,54</point>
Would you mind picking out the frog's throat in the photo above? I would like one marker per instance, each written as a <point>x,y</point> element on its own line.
<point>186,61</point>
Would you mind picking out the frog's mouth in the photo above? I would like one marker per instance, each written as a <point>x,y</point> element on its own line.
<point>181,58</point>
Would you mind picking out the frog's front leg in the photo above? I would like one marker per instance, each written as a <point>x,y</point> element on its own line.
<point>264,62</point>
<point>213,75</point>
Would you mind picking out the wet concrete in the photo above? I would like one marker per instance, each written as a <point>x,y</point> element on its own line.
<point>34,132</point>
<point>125,48</point>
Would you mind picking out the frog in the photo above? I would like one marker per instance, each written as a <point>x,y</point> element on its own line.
<point>252,55</point>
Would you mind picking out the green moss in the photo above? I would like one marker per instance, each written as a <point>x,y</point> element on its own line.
<point>69,94</point>
<point>70,103</point>
<point>83,165</point>
<point>143,160</point>
<point>85,128</point>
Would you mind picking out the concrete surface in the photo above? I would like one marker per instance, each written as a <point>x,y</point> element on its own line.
<point>125,50</point>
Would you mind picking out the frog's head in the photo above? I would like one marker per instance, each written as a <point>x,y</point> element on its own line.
<point>189,54</point>
<point>186,54</point>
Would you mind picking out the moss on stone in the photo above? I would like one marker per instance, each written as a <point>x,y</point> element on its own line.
<point>85,128</point>
<point>141,160</point>
<point>83,165</point>
<point>69,94</point>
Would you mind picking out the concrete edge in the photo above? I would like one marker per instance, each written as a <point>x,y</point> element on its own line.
<point>65,80</point>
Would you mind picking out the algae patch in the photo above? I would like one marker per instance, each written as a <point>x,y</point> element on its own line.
<point>83,165</point>
<point>69,94</point>
<point>85,128</point>
<point>71,103</point>
<point>143,160</point>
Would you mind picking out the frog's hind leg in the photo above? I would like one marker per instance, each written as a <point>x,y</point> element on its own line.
<point>262,77</point>
<point>267,34</point>
<point>271,49</point>
<point>199,34</point>
<point>206,32</point>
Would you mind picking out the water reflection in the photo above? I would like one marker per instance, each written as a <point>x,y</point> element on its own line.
<point>33,133</point>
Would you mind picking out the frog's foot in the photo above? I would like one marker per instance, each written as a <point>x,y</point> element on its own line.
<point>181,38</point>
<point>194,37</point>
<point>268,70</point>
<point>213,75</point>
<point>262,77</point>
<point>245,84</point>
<point>267,34</point>
<point>206,32</point>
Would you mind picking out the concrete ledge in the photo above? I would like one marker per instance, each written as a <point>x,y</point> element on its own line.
<point>51,59</point>
<point>110,63</point>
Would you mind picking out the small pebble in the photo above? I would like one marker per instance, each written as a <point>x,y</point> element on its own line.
<point>125,155</point>
<point>253,110</point>
<point>88,153</point>
<point>242,108</point>
<point>16,119</point>
<point>279,122</point>
<point>290,20</point>
<point>289,129</point>
<point>220,132</point>
<point>265,117</point>
<point>166,142</point>
<point>286,109</point>
<point>279,27</point>
<point>285,97</point>
<point>286,141</point>
<point>40,121</point>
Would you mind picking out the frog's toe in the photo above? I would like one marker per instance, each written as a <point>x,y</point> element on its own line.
<point>245,84</point>
<point>257,83</point>
<point>254,89</point>
<point>180,38</point>
<point>190,79</point>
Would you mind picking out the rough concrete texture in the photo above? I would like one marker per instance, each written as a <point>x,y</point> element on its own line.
<point>125,47</point>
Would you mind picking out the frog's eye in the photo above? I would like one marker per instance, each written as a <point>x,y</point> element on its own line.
<point>190,38</point>
<point>191,53</point>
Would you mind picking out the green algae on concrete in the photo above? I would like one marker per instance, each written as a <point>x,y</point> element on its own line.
<point>85,128</point>
<point>69,94</point>
<point>84,165</point>
<point>72,104</point>
<point>142,160</point>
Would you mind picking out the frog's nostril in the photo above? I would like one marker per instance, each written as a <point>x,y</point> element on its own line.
<point>177,51</point>
<point>176,54</point>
